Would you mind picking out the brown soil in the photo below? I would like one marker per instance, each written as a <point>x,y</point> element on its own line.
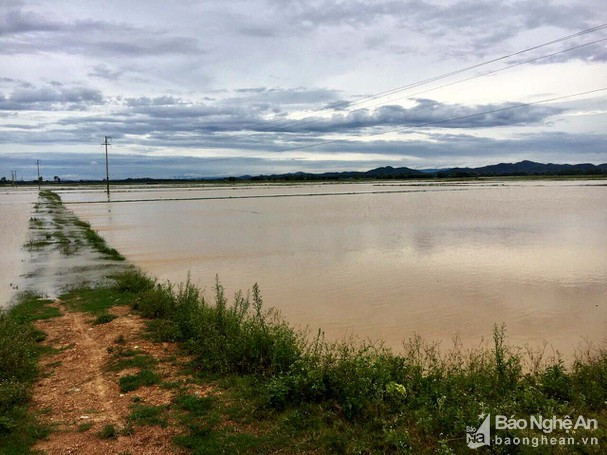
<point>76,389</point>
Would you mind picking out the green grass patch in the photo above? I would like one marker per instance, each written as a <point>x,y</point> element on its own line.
<point>104,318</point>
<point>37,244</point>
<point>148,415</point>
<point>96,301</point>
<point>108,432</point>
<point>85,427</point>
<point>98,243</point>
<point>19,353</point>
<point>36,223</point>
<point>198,406</point>
<point>145,377</point>
<point>32,307</point>
<point>93,238</point>
<point>143,361</point>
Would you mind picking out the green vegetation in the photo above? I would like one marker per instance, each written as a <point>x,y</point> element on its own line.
<point>53,201</point>
<point>124,359</point>
<point>19,353</point>
<point>144,377</point>
<point>97,242</point>
<point>375,400</point>
<point>104,318</point>
<point>108,432</point>
<point>148,415</point>
<point>85,427</point>
<point>269,387</point>
<point>96,301</point>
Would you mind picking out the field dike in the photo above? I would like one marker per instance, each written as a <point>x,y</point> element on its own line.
<point>120,363</point>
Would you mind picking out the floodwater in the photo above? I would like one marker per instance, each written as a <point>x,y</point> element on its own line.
<point>15,211</point>
<point>383,261</point>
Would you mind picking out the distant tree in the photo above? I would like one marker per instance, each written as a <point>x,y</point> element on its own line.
<point>3,180</point>
<point>57,179</point>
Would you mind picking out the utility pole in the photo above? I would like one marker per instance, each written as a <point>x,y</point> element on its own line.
<point>106,142</point>
<point>38,165</point>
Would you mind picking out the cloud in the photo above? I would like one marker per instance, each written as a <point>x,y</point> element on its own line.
<point>51,97</point>
<point>23,32</point>
<point>445,151</point>
<point>248,79</point>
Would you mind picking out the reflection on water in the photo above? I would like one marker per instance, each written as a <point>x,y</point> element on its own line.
<point>436,260</point>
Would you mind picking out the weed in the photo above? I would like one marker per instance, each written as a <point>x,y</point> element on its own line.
<point>148,415</point>
<point>120,339</point>
<point>19,354</point>
<point>85,427</point>
<point>104,318</point>
<point>109,431</point>
<point>144,377</point>
<point>121,362</point>
<point>198,406</point>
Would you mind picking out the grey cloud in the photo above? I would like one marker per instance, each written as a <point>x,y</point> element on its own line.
<point>51,98</point>
<point>446,151</point>
<point>104,72</point>
<point>37,33</point>
<point>424,112</point>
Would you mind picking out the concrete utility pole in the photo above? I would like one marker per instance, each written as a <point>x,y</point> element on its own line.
<point>106,142</point>
<point>38,165</point>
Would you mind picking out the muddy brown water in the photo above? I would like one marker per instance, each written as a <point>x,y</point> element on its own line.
<point>383,261</point>
<point>15,211</point>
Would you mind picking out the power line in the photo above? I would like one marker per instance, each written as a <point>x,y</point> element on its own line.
<point>463,117</point>
<point>437,78</point>
<point>459,81</point>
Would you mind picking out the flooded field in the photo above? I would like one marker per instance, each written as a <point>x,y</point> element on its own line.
<point>383,261</point>
<point>15,209</point>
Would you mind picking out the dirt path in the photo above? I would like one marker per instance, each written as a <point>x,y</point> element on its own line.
<point>77,395</point>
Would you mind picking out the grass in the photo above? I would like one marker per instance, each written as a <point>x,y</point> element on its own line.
<point>19,353</point>
<point>121,362</point>
<point>104,318</point>
<point>144,377</point>
<point>198,406</point>
<point>85,427</point>
<point>108,432</point>
<point>148,415</point>
<point>375,400</point>
<point>88,234</point>
<point>95,301</point>
<point>36,222</point>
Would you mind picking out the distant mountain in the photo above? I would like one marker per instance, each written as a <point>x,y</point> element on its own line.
<point>387,172</point>
<point>521,168</point>
<point>525,167</point>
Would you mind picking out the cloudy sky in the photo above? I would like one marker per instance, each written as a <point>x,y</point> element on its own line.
<point>214,88</point>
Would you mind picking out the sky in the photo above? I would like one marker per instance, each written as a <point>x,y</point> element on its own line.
<point>217,88</point>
